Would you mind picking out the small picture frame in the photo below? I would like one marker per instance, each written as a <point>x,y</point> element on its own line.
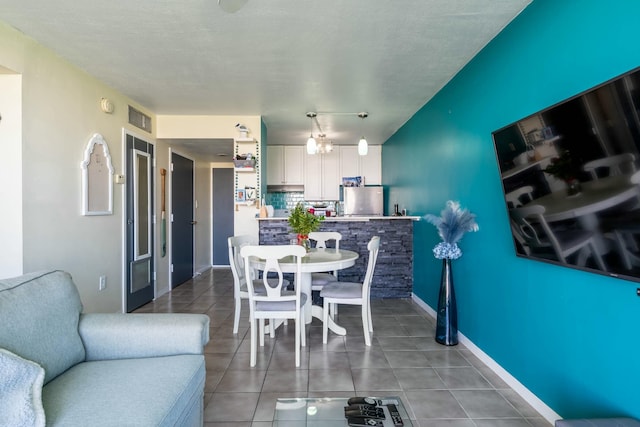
<point>240,195</point>
<point>352,181</point>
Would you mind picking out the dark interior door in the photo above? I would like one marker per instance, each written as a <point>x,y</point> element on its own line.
<point>182,219</point>
<point>222,214</point>
<point>139,210</point>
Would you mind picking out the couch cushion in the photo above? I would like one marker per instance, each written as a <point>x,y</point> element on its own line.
<point>39,314</point>
<point>158,391</point>
<point>20,391</point>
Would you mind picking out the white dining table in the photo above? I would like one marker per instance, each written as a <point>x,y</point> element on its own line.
<point>596,196</point>
<point>316,261</point>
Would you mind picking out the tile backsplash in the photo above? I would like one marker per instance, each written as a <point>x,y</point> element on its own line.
<point>284,200</point>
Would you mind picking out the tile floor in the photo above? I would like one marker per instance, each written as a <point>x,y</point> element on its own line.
<point>439,385</point>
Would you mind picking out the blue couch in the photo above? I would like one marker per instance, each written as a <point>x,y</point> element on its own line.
<point>92,369</point>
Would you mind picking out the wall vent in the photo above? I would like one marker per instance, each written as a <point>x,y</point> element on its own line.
<point>139,119</point>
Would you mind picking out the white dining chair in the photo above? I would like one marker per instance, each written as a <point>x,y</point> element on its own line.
<point>515,198</point>
<point>276,303</point>
<point>318,280</point>
<point>352,293</point>
<point>543,241</point>
<point>613,165</point>
<point>624,225</point>
<point>240,291</point>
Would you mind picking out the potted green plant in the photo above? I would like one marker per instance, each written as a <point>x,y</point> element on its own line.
<point>302,223</point>
<point>565,168</point>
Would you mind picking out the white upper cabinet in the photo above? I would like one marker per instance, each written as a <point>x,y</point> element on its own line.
<point>321,176</point>
<point>285,165</point>
<point>331,176</point>
<point>312,173</point>
<point>369,167</point>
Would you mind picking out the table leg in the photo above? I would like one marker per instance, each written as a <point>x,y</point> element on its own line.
<point>333,326</point>
<point>305,287</point>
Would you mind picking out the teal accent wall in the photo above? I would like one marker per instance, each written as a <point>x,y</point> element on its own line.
<point>571,337</point>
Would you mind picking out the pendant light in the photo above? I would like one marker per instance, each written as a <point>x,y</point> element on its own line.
<point>363,146</point>
<point>312,147</point>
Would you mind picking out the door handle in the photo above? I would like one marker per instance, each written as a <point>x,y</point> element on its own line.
<point>194,222</point>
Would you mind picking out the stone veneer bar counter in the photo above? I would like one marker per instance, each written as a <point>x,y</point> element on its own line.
<point>393,276</point>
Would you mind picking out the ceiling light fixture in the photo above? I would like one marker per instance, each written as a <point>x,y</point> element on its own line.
<point>324,146</point>
<point>311,142</point>
<point>363,146</point>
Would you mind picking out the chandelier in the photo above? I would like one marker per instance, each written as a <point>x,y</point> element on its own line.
<point>323,145</point>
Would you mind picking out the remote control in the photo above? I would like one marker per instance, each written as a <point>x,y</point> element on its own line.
<point>364,422</point>
<point>361,407</point>
<point>395,415</point>
<point>363,401</point>
<point>364,411</point>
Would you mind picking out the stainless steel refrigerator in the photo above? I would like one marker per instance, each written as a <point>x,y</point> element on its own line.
<point>363,201</point>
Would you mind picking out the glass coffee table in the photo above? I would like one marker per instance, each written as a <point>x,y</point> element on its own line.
<point>328,412</point>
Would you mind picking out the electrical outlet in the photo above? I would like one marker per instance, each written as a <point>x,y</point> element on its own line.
<point>103,283</point>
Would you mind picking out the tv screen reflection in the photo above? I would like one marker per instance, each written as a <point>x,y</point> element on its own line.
<point>571,180</point>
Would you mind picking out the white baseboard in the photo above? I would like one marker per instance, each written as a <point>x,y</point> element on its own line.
<point>537,404</point>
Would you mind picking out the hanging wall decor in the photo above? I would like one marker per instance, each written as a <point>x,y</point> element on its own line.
<point>97,178</point>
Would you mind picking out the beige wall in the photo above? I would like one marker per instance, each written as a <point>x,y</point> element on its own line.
<point>60,112</point>
<point>40,164</point>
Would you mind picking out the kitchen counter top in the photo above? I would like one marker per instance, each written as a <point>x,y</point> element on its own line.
<point>348,218</point>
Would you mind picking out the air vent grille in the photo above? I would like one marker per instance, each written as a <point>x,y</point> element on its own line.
<point>139,119</point>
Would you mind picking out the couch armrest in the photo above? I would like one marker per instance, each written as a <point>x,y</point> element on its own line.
<point>118,336</point>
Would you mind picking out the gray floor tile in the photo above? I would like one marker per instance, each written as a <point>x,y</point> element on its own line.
<point>329,360</point>
<point>434,404</point>
<point>502,422</point>
<point>407,359</point>
<point>418,378</point>
<point>445,358</point>
<point>375,379</point>
<point>331,380</point>
<point>446,423</point>
<point>217,361</point>
<point>290,380</point>
<point>397,343</point>
<point>373,358</point>
<point>224,407</point>
<point>462,378</point>
<point>485,404</point>
<point>242,381</point>
<point>519,403</point>
<point>441,386</point>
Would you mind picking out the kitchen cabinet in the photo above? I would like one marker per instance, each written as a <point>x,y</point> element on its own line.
<point>285,165</point>
<point>322,176</point>
<point>369,167</point>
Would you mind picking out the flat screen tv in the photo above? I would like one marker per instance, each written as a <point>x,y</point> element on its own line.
<point>571,180</point>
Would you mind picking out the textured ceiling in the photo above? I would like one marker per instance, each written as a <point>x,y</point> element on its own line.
<point>278,59</point>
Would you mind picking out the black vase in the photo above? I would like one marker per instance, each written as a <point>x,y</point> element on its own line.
<point>447,321</point>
